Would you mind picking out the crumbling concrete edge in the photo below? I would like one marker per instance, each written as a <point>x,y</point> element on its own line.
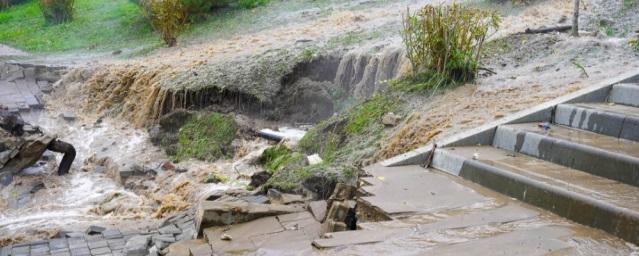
<point>484,134</point>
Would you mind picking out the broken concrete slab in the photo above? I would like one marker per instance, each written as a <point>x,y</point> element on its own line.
<point>214,213</point>
<point>413,189</point>
<point>137,245</point>
<point>283,234</point>
<point>318,209</point>
<point>182,248</point>
<point>277,197</point>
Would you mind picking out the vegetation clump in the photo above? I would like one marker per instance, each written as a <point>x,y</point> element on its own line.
<point>443,43</point>
<point>279,157</point>
<point>57,11</point>
<point>206,137</point>
<point>634,44</point>
<point>166,18</point>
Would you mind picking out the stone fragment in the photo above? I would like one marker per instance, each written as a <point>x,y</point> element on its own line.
<point>318,209</point>
<point>391,119</point>
<point>168,166</point>
<point>68,116</point>
<point>277,197</point>
<point>94,230</point>
<point>314,159</point>
<point>259,178</point>
<point>101,250</point>
<point>112,234</point>
<point>153,251</point>
<point>137,246</point>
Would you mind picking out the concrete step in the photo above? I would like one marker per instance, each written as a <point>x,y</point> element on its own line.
<point>576,195</point>
<point>610,119</point>
<point>627,94</point>
<point>601,155</point>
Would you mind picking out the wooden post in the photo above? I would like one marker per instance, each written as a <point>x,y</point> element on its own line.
<point>575,19</point>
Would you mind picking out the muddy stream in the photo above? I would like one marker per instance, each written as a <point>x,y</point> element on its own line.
<point>39,203</point>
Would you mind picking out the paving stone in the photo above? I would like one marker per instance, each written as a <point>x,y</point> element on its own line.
<point>116,242</point>
<point>20,249</point>
<point>137,246</point>
<point>75,235</point>
<point>5,251</point>
<point>80,251</point>
<point>40,248</point>
<point>170,229</point>
<point>93,238</point>
<point>94,230</point>
<point>61,254</point>
<point>78,245</point>
<point>102,250</point>
<point>42,253</point>
<point>98,244</point>
<point>111,234</point>
<point>58,243</point>
<point>60,251</point>
<point>164,238</point>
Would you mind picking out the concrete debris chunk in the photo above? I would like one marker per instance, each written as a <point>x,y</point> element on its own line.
<point>215,213</point>
<point>137,246</point>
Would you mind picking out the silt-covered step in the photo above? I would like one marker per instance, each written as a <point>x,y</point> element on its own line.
<point>601,155</point>
<point>584,198</point>
<point>610,119</point>
<point>627,94</point>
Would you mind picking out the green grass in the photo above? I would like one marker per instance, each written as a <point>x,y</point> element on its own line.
<point>97,24</point>
<point>205,137</point>
<point>279,157</point>
<point>369,113</point>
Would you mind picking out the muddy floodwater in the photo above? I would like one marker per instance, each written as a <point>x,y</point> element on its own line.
<point>40,203</point>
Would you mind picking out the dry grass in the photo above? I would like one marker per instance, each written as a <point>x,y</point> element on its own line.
<point>447,39</point>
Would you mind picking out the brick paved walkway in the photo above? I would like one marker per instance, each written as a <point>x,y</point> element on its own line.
<point>176,228</point>
<point>22,88</point>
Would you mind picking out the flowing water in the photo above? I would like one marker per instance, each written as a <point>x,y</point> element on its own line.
<point>69,202</point>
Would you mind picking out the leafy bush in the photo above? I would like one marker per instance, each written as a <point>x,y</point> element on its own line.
<point>206,137</point>
<point>447,39</point>
<point>166,17</point>
<point>57,11</point>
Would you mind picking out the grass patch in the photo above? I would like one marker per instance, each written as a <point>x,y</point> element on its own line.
<point>352,38</point>
<point>96,24</point>
<point>205,137</point>
<point>369,113</point>
<point>422,82</point>
<point>277,158</point>
<point>215,178</point>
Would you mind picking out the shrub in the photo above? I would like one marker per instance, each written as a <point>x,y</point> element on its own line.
<point>447,39</point>
<point>166,17</point>
<point>57,11</point>
<point>634,44</point>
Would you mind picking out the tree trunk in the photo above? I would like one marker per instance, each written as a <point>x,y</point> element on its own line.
<point>575,19</point>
